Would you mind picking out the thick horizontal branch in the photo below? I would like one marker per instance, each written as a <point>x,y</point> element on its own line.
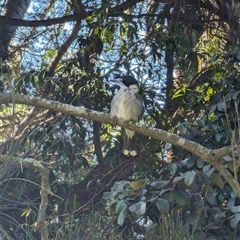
<point>158,134</point>
<point>39,23</point>
<point>25,162</point>
<point>75,17</point>
<point>208,155</point>
<point>79,17</point>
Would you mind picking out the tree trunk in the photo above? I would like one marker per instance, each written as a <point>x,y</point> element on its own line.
<point>12,9</point>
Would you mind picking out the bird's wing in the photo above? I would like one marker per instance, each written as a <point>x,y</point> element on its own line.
<point>139,98</point>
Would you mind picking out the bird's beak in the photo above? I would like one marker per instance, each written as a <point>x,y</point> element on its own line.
<point>116,81</point>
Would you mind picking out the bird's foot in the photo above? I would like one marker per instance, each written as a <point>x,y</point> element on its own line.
<point>132,153</point>
<point>125,152</point>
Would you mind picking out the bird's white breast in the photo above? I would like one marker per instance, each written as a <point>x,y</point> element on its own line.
<point>126,105</point>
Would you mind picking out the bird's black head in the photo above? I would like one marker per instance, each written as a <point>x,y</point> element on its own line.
<point>129,80</point>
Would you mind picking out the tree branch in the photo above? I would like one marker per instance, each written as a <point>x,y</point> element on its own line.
<point>158,134</point>
<point>64,47</point>
<point>175,15</point>
<point>97,142</point>
<point>70,18</point>
<point>45,188</point>
<point>213,157</point>
<point>39,23</point>
<point>43,206</point>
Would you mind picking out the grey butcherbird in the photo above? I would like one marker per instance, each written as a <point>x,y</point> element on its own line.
<point>127,104</point>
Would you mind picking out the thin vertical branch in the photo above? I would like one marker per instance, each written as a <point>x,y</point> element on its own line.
<point>63,49</point>
<point>169,55</point>
<point>43,206</point>
<point>43,169</point>
<point>97,142</point>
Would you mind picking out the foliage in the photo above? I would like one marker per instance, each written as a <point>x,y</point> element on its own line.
<point>198,194</point>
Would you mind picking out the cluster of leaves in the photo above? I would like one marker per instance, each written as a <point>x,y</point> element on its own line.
<point>209,208</point>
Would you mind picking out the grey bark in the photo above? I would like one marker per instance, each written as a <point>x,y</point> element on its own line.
<point>13,9</point>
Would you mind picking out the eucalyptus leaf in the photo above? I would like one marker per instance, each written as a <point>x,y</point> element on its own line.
<point>122,216</point>
<point>169,196</point>
<point>217,179</point>
<point>140,208</point>
<point>189,177</point>
<point>108,195</point>
<point>200,163</point>
<point>159,184</point>
<point>172,168</point>
<point>235,209</point>
<point>163,204</point>
<point>181,197</point>
<point>118,186</point>
<point>120,206</point>
<point>191,162</point>
<point>221,106</point>
<point>235,220</point>
<point>136,185</point>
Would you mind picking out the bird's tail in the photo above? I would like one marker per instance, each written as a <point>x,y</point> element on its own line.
<point>129,146</point>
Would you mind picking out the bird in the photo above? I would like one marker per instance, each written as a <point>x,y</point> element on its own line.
<point>127,104</point>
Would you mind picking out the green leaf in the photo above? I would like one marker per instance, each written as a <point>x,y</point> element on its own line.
<point>199,236</point>
<point>181,197</point>
<point>168,146</point>
<point>136,185</point>
<point>109,36</point>
<point>182,128</point>
<point>189,177</point>
<point>235,220</point>
<point>215,126</point>
<point>26,212</point>
<point>208,189</point>
<point>118,186</point>
<point>191,162</point>
<point>108,195</point>
<point>201,122</point>
<point>27,79</point>
<point>235,95</point>
<point>140,208</point>
<point>159,184</point>
<point>206,168</point>
<point>221,106</point>
<point>169,196</point>
<point>127,192</point>
<point>163,204</point>
<point>200,163</point>
<point>212,109</point>
<point>122,216</point>
<point>172,168</point>
<point>217,179</point>
<point>178,93</point>
<point>218,137</point>
<point>120,206</point>
<point>235,209</point>
<point>178,178</point>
